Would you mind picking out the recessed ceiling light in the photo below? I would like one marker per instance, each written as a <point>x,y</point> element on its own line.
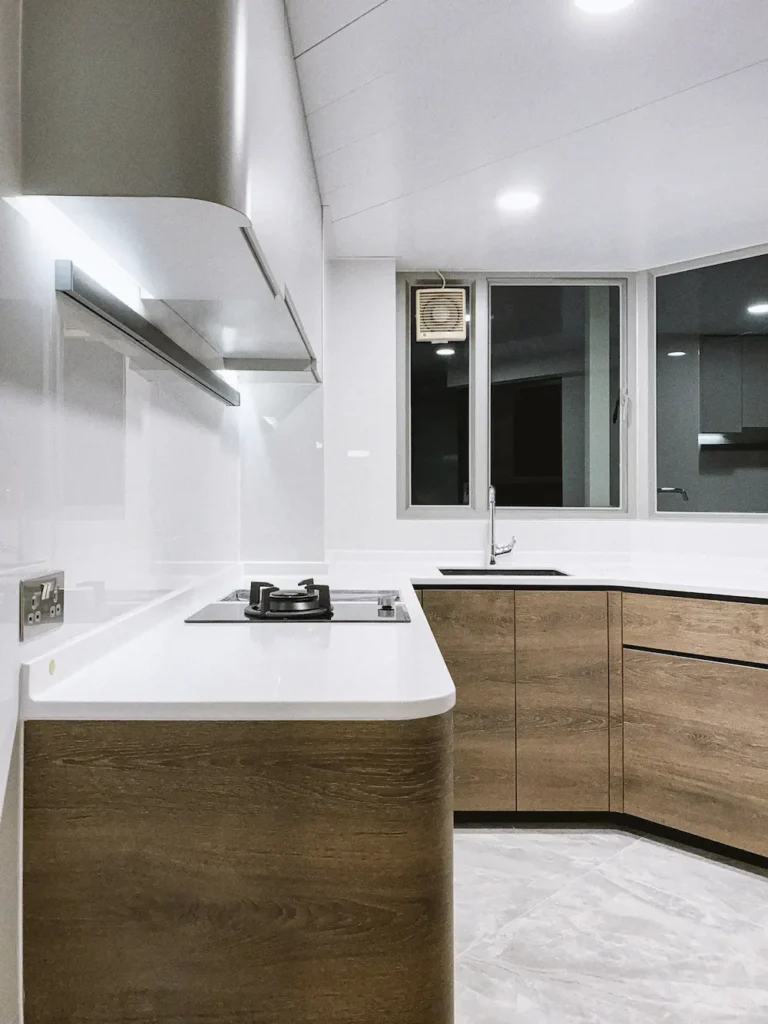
<point>758,309</point>
<point>446,351</point>
<point>518,201</point>
<point>675,355</point>
<point>603,6</point>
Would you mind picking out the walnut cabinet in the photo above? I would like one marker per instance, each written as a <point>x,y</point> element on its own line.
<point>654,705</point>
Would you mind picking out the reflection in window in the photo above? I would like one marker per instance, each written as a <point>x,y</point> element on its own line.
<point>555,395</point>
<point>712,388</point>
<point>439,422</point>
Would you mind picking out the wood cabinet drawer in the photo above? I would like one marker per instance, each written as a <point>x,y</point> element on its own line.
<point>688,625</point>
<point>696,747</point>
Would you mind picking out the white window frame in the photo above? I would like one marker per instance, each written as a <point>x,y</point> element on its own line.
<point>649,302</point>
<point>479,397</point>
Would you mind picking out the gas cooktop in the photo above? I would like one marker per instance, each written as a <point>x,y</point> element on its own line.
<point>307,602</point>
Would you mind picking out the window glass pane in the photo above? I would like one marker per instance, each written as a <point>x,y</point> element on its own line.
<point>712,388</point>
<point>555,395</point>
<point>439,422</point>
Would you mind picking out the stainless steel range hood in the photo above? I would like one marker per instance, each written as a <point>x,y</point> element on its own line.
<point>135,124</point>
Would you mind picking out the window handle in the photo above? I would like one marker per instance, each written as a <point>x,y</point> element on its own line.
<point>674,490</point>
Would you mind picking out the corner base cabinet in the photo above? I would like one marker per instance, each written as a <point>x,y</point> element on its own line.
<point>268,872</point>
<point>531,722</point>
<point>653,705</point>
<point>475,630</point>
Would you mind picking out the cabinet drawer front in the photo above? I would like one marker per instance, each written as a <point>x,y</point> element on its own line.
<point>696,747</point>
<point>688,625</point>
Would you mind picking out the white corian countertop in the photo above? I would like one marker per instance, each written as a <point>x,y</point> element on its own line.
<point>331,671</point>
<point>719,577</point>
<point>265,671</point>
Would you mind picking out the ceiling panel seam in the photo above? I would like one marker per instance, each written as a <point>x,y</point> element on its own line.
<point>307,133</point>
<point>343,27</point>
<point>545,142</point>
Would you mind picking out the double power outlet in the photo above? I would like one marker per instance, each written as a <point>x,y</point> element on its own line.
<point>41,605</point>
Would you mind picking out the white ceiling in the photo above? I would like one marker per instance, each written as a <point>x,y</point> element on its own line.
<point>646,131</point>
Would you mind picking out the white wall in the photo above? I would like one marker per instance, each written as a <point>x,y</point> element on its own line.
<point>282,490</point>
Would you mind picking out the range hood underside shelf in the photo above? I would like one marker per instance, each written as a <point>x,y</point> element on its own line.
<point>204,264</point>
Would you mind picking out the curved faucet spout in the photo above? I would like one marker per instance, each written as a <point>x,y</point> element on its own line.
<point>493,548</point>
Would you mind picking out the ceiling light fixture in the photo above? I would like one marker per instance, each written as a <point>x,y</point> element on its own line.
<point>518,201</point>
<point>675,355</point>
<point>603,6</point>
<point>446,351</point>
<point>758,309</point>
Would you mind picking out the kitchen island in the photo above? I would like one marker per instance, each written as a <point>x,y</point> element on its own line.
<point>243,823</point>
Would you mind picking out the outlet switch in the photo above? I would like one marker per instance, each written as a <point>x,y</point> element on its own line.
<point>41,605</point>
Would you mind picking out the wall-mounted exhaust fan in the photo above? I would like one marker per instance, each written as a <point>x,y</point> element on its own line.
<point>441,314</point>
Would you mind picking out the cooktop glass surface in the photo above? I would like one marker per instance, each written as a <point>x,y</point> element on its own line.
<point>348,606</point>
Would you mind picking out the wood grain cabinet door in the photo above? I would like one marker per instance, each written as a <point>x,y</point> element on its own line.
<point>475,630</point>
<point>562,700</point>
<point>696,747</point>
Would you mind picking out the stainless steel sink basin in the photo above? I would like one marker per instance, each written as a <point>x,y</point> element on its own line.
<point>502,572</point>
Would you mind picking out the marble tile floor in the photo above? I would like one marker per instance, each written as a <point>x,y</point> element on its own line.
<point>591,926</point>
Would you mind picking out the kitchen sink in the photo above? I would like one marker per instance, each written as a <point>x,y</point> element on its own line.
<point>502,572</point>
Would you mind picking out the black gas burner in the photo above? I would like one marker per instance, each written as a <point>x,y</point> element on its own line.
<point>309,600</point>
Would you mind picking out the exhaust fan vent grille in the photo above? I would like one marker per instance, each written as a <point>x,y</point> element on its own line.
<point>441,314</point>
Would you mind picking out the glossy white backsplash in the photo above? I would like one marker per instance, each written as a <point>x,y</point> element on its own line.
<point>282,473</point>
<point>128,484</point>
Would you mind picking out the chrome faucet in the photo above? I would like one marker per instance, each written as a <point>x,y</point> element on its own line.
<point>493,550</point>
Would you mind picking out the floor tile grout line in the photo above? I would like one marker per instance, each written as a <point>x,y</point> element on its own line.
<point>561,889</point>
<point>700,855</point>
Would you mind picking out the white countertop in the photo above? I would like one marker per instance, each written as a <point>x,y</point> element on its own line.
<point>332,671</point>
<point>266,671</point>
<point>725,577</point>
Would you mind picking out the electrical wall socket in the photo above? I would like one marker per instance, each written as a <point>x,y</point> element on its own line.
<point>41,605</point>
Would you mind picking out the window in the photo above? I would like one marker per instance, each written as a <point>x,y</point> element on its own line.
<point>712,388</point>
<point>541,380</point>
<point>556,395</point>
